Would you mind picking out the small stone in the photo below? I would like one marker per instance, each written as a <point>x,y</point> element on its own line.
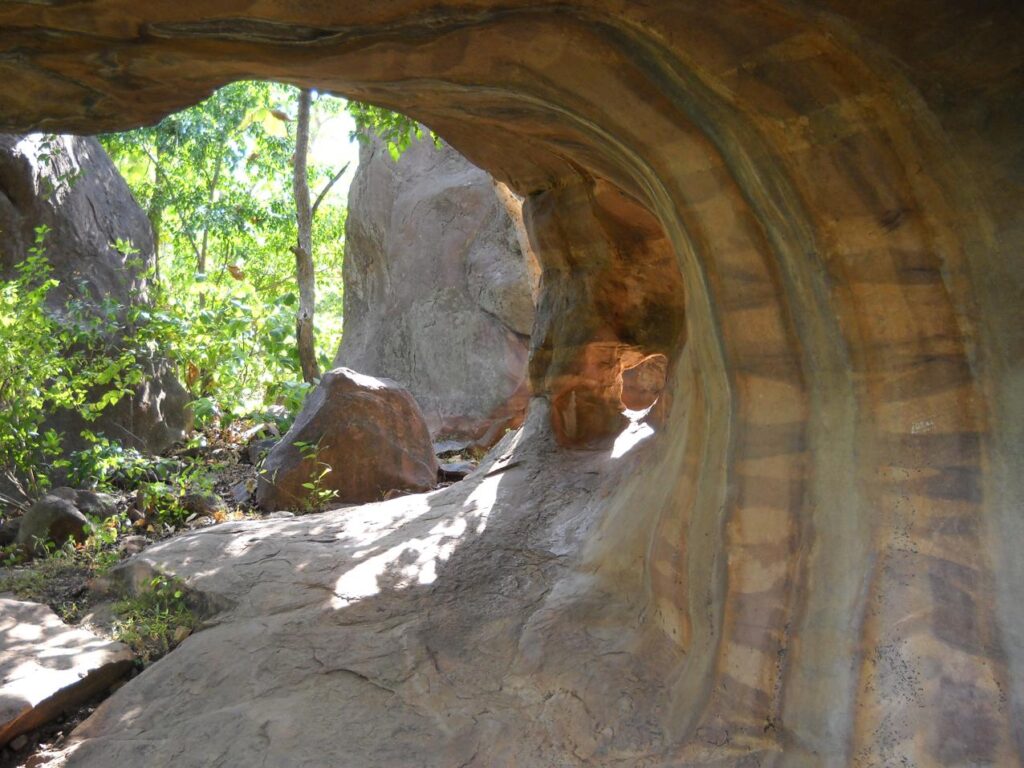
<point>455,471</point>
<point>244,491</point>
<point>95,504</point>
<point>19,743</point>
<point>445,448</point>
<point>132,545</point>
<point>180,633</point>
<point>203,503</point>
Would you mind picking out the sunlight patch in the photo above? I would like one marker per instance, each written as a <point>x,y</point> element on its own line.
<point>415,561</point>
<point>633,435</point>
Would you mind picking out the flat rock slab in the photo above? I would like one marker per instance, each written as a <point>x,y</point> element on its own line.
<point>419,632</point>
<point>47,667</point>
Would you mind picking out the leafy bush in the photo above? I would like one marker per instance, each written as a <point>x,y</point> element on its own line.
<point>105,465</point>
<point>49,364</point>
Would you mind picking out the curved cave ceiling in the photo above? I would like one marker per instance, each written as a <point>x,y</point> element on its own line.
<point>813,210</point>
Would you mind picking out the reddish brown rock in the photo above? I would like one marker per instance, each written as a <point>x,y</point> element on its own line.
<point>356,436</point>
<point>644,382</point>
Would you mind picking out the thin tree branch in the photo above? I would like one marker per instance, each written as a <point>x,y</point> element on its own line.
<point>325,190</point>
<point>195,246</point>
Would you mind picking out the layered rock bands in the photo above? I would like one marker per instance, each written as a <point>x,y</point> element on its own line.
<point>813,213</point>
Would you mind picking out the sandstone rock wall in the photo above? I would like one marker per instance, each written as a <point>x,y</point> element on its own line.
<point>814,558</point>
<point>438,293</point>
<point>69,185</point>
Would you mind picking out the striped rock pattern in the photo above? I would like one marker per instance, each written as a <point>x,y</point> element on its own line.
<point>820,560</point>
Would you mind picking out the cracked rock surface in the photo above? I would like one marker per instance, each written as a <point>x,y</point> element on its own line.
<point>434,626</point>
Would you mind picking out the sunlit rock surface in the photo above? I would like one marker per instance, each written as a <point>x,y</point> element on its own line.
<point>438,292</point>
<point>48,668</point>
<point>814,558</point>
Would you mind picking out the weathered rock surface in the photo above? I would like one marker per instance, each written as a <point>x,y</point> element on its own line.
<point>47,667</point>
<point>438,292</point>
<point>69,184</point>
<point>60,514</point>
<point>367,433</point>
<point>457,470</point>
<point>393,608</point>
<point>814,559</point>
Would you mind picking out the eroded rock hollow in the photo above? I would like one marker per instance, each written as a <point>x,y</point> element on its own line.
<point>807,555</point>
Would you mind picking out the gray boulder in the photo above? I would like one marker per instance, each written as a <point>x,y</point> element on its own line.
<point>52,518</point>
<point>62,513</point>
<point>70,185</point>
<point>203,503</point>
<point>438,292</point>
<point>94,504</point>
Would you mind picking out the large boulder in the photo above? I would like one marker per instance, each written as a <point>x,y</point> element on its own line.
<point>70,185</point>
<point>369,436</point>
<point>438,292</point>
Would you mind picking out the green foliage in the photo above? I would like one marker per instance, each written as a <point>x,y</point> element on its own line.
<point>155,620</point>
<point>104,465</point>
<point>397,130</point>
<point>216,182</point>
<point>47,365</point>
<point>99,550</point>
<point>319,496</point>
<point>58,575</point>
<point>24,584</point>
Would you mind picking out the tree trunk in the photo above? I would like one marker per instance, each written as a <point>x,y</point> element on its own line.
<point>304,274</point>
<point>211,197</point>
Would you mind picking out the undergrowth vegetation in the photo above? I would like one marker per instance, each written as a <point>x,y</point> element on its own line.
<point>220,288</point>
<point>50,363</point>
<point>155,620</point>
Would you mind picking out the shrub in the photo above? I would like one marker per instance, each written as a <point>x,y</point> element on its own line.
<point>49,364</point>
